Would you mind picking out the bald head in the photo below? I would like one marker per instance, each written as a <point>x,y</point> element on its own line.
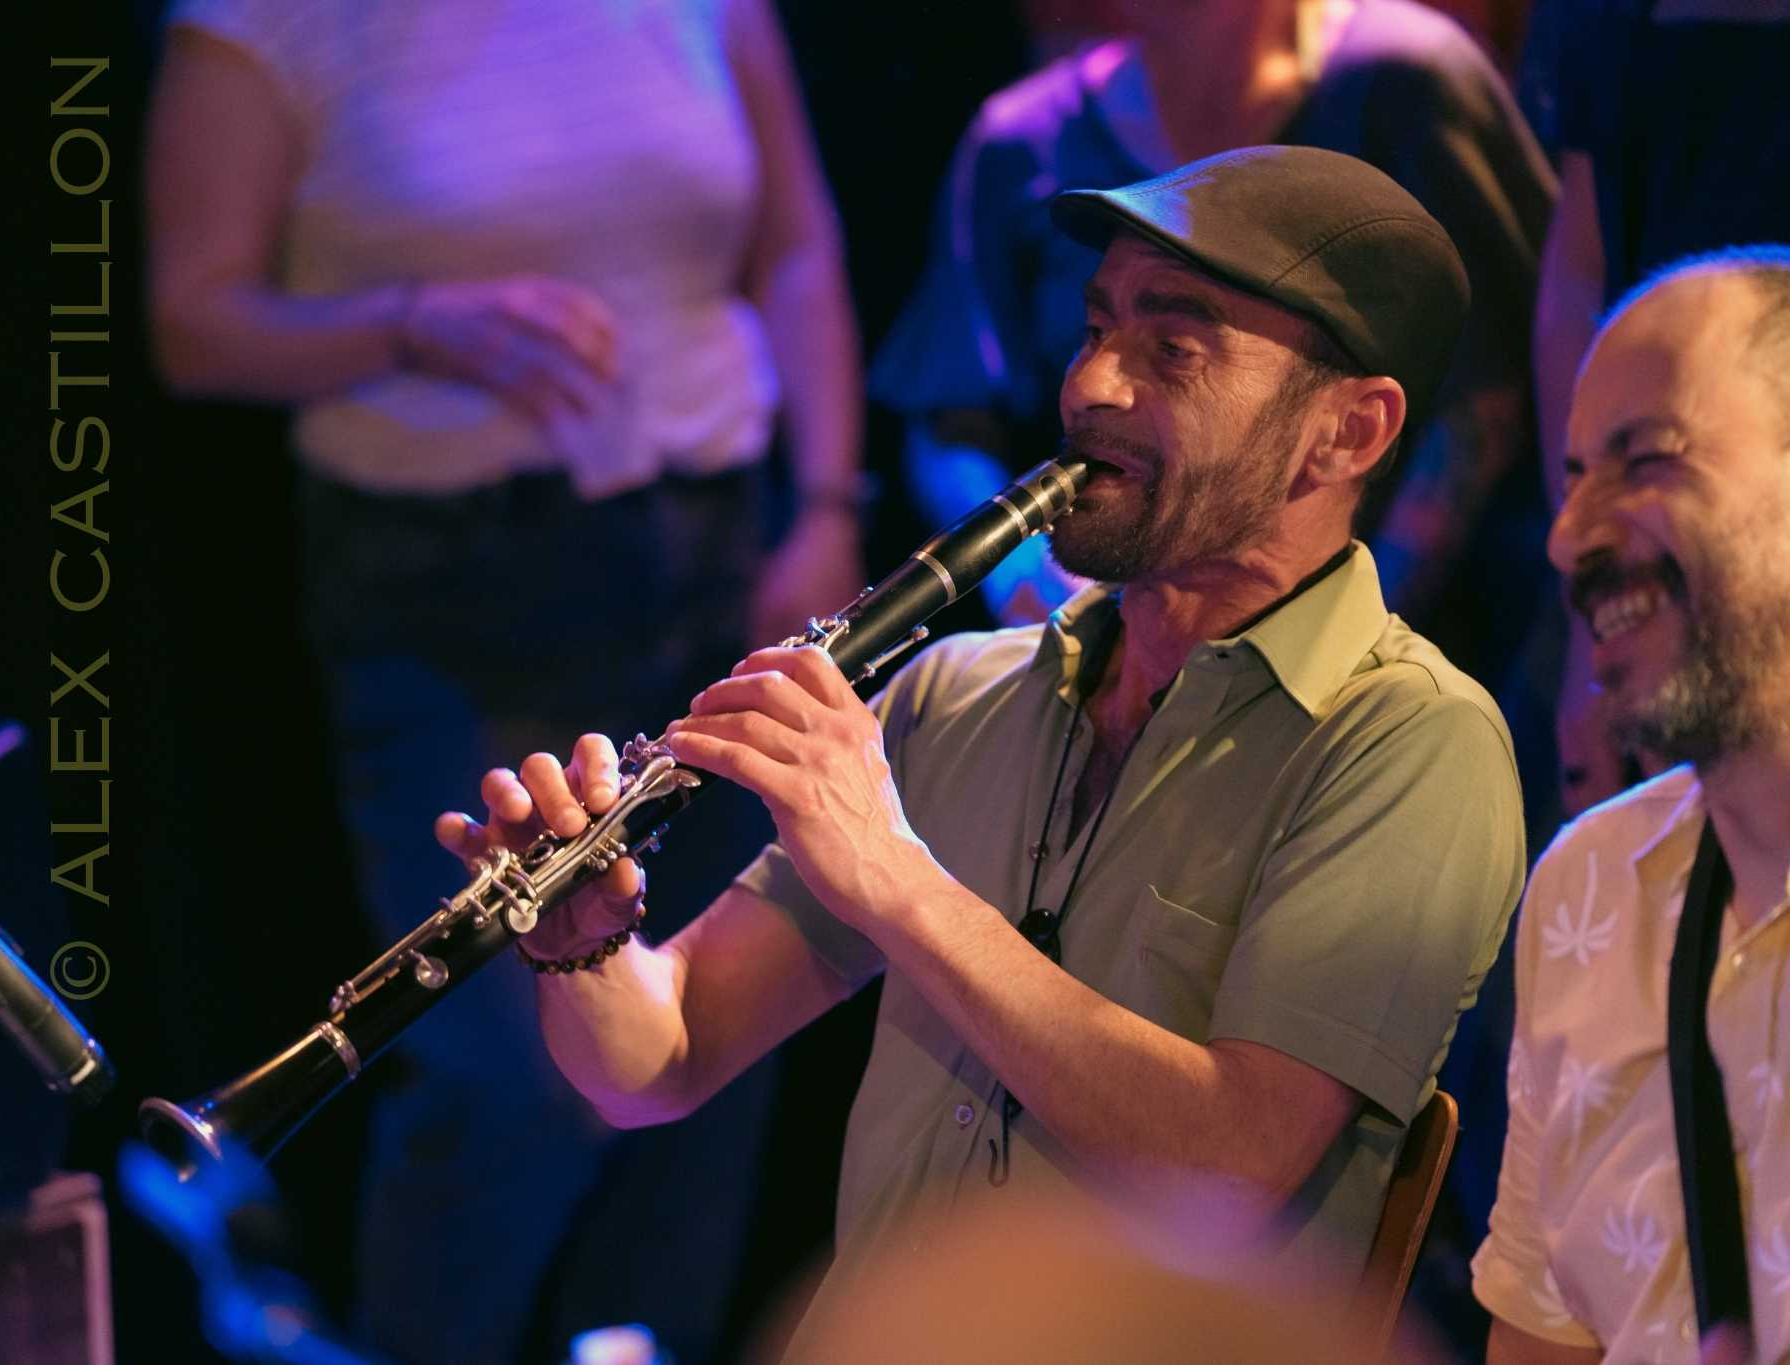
<point>1675,532</point>
<point>1741,295</point>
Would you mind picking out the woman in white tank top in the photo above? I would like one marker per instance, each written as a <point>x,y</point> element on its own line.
<point>536,278</point>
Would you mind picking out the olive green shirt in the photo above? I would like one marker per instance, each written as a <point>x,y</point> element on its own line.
<point>1315,844</point>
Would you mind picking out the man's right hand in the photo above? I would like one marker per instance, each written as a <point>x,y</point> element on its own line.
<point>545,346</point>
<point>621,1034</point>
<point>546,796</point>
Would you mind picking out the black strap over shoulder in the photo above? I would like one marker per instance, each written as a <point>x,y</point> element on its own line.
<point>1706,1167</point>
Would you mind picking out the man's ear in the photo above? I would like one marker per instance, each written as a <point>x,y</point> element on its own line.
<point>1366,417</point>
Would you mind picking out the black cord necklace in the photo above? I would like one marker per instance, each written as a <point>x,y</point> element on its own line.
<point>1042,927</point>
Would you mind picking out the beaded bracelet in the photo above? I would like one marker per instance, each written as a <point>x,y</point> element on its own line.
<point>608,948</point>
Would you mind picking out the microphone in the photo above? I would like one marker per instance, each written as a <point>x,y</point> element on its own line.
<point>69,1059</point>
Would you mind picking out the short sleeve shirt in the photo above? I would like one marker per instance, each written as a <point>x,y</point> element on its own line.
<point>1314,845</point>
<point>1587,1243</point>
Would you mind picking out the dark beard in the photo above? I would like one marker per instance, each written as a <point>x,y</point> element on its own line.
<point>1696,715</point>
<point>1701,710</point>
<point>1186,513</point>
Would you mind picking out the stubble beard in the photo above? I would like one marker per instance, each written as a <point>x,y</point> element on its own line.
<point>1184,512</point>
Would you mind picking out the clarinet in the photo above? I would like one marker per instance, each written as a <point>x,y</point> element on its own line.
<point>510,890</point>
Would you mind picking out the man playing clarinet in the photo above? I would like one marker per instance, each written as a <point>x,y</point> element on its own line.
<point>1180,891</point>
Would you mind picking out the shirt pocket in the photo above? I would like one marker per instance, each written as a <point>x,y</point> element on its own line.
<point>1179,960</point>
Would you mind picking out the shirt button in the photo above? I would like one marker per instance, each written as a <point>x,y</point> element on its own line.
<point>965,1115</point>
<point>1687,1330</point>
<point>1737,961</point>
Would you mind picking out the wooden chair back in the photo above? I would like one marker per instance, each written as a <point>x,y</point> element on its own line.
<point>1410,1200</point>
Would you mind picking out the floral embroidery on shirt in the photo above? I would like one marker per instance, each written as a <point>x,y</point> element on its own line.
<point>1549,1300</point>
<point>1774,1260</point>
<point>1598,1204</point>
<point>1638,1240</point>
<point>1518,1078</point>
<point>1580,938</point>
<point>1582,1086</point>
<point>1639,1244</point>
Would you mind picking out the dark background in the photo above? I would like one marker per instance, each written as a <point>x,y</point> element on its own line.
<point>231,908</point>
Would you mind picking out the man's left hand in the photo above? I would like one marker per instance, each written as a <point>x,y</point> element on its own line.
<point>787,726</point>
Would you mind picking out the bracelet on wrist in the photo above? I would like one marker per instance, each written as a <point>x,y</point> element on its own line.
<point>582,962</point>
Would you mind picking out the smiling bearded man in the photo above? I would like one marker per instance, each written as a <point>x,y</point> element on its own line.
<point>1691,626</point>
<point>1675,536</point>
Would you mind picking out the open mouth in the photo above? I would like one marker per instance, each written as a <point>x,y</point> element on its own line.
<point>1100,466</point>
<point>1615,616</point>
<point>1617,599</point>
<point>1109,457</point>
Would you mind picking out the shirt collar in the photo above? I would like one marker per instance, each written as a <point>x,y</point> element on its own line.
<point>1671,848</point>
<point>1312,642</point>
<point>1073,629</point>
<point>1315,640</point>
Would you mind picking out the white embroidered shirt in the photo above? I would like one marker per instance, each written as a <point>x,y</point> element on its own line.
<point>1587,1241</point>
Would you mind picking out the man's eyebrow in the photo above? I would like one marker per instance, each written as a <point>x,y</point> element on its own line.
<point>1631,432</point>
<point>1157,303</point>
<point>1619,442</point>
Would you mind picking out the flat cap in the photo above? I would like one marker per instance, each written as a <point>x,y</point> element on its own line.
<point>1321,233</point>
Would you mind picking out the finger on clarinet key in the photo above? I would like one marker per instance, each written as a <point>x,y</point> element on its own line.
<point>598,771</point>
<point>552,795</point>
